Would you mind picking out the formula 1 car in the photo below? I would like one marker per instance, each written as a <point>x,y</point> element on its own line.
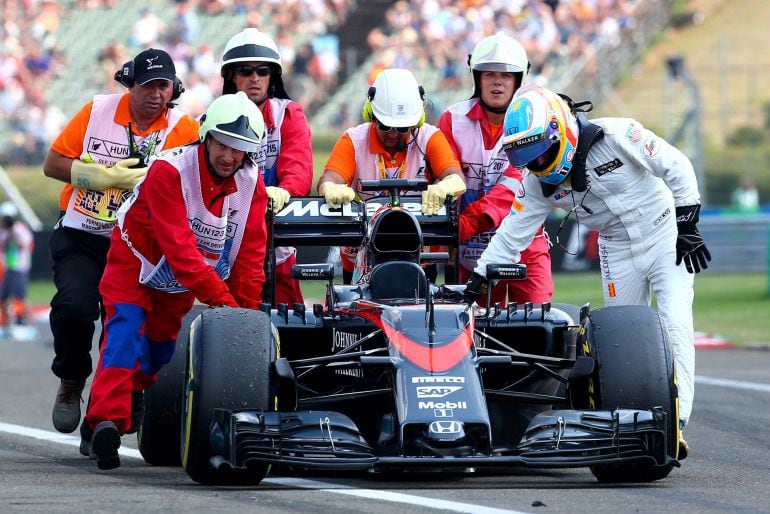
<point>394,373</point>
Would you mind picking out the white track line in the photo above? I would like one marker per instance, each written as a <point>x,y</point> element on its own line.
<point>56,437</point>
<point>387,496</point>
<point>733,384</point>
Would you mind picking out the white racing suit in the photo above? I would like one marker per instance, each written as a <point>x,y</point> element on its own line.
<point>635,180</point>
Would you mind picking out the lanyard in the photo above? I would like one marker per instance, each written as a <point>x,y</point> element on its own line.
<point>135,151</point>
<point>383,171</point>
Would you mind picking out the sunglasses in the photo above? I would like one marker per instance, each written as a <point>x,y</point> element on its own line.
<point>246,71</point>
<point>385,128</point>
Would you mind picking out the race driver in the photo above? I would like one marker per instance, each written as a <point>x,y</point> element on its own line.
<point>620,179</point>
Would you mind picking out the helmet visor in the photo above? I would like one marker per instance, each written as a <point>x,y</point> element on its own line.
<point>237,143</point>
<point>497,66</point>
<point>523,151</point>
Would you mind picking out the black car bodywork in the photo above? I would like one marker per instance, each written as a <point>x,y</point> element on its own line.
<point>395,373</point>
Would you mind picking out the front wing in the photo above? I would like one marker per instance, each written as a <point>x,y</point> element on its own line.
<point>330,440</point>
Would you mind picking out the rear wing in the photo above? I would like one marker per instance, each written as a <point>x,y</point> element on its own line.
<point>310,221</point>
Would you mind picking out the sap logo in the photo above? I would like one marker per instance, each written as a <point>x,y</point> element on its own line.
<point>436,392</point>
<point>442,405</point>
<point>445,427</point>
<point>438,380</point>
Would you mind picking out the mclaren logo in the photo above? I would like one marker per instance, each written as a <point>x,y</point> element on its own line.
<point>445,427</point>
<point>436,391</point>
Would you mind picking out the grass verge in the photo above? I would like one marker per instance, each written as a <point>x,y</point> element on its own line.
<point>733,306</point>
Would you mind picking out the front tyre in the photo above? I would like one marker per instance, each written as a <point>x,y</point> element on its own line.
<point>159,437</point>
<point>634,369</point>
<point>229,366</point>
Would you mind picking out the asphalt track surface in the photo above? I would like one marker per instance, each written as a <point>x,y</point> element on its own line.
<point>42,471</point>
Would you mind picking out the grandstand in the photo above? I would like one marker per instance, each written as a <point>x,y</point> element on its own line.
<point>331,50</point>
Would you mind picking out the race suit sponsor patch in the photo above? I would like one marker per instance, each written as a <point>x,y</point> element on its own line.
<point>608,166</point>
<point>634,133</point>
<point>661,217</point>
<point>651,145</point>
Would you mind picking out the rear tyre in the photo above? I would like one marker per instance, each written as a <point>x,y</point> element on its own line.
<point>159,436</point>
<point>229,366</point>
<point>634,369</point>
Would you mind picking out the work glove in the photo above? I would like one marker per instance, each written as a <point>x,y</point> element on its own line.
<point>337,194</point>
<point>98,177</point>
<point>278,196</point>
<point>435,196</point>
<point>476,287</point>
<point>690,246</point>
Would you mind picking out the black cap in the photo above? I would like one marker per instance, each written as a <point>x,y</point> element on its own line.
<point>152,65</point>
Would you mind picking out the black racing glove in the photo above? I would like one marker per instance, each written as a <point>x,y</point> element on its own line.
<point>476,286</point>
<point>690,246</point>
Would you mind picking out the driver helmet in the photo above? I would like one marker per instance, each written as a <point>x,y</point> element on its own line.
<point>499,52</point>
<point>540,133</point>
<point>235,121</point>
<point>397,98</point>
<point>252,45</point>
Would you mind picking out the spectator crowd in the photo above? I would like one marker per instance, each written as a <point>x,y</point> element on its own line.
<point>426,36</point>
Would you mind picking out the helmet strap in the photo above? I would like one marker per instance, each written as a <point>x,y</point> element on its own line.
<point>487,107</point>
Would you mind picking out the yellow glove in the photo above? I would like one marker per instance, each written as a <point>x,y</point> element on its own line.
<point>433,199</point>
<point>279,196</point>
<point>98,177</point>
<point>129,176</point>
<point>337,194</point>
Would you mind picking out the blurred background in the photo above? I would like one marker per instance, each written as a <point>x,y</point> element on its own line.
<point>693,71</point>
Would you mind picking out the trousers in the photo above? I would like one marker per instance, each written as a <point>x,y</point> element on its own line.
<point>79,259</point>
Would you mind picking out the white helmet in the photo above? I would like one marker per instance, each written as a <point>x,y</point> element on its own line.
<point>395,99</point>
<point>252,45</point>
<point>235,121</point>
<point>499,52</point>
<point>8,210</point>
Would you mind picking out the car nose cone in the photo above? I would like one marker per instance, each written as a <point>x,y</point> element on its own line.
<point>446,431</point>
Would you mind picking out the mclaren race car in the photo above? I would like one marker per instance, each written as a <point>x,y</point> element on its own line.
<point>394,373</point>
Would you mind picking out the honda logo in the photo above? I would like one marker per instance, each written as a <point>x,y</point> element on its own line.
<point>445,427</point>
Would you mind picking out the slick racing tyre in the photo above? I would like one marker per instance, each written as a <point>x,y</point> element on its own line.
<point>634,369</point>
<point>159,437</point>
<point>229,366</point>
